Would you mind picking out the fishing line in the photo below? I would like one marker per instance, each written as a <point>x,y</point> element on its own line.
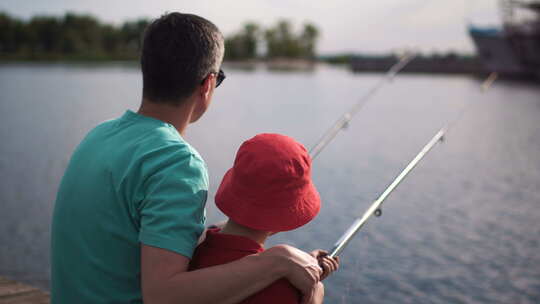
<point>344,120</point>
<point>375,208</point>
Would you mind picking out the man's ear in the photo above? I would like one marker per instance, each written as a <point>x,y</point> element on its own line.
<point>207,87</point>
<point>203,97</point>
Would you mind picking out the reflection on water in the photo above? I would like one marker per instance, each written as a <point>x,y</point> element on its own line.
<point>463,227</point>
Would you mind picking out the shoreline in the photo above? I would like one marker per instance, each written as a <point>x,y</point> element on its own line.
<point>359,65</point>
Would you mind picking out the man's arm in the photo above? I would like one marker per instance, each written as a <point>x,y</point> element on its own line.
<point>318,297</point>
<point>165,279</point>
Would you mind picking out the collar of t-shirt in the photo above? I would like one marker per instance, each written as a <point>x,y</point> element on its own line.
<point>216,239</point>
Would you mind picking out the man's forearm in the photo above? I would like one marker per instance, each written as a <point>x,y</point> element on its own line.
<point>227,283</point>
<point>165,279</point>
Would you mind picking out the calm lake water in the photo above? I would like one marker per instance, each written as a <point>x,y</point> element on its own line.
<point>464,227</point>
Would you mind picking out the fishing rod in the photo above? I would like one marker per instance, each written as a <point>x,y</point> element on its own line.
<point>375,208</point>
<point>347,116</point>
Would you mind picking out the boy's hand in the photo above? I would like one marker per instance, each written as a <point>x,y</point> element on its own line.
<point>327,263</point>
<point>219,225</point>
<point>318,298</point>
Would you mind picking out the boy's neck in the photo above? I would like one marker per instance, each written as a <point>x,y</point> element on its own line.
<point>234,228</point>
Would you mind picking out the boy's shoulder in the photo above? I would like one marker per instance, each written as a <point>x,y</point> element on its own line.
<point>220,248</point>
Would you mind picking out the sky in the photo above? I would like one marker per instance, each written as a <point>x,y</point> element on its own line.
<point>368,26</point>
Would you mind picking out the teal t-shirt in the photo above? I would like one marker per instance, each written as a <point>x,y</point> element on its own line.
<point>132,180</point>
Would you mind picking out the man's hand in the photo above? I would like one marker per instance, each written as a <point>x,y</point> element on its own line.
<point>327,263</point>
<point>300,268</point>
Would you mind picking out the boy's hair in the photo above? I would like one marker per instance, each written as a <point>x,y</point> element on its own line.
<point>178,52</point>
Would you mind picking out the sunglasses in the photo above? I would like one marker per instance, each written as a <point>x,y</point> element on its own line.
<point>220,76</point>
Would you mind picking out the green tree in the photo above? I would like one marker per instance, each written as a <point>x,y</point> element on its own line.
<point>308,40</point>
<point>45,35</point>
<point>131,33</point>
<point>243,45</point>
<point>111,40</point>
<point>251,39</point>
<point>13,35</point>
<point>281,41</point>
<point>81,35</point>
<point>272,43</point>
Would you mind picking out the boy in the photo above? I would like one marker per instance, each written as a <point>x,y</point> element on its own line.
<point>267,190</point>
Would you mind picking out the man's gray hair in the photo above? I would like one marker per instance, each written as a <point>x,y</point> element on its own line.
<point>178,52</point>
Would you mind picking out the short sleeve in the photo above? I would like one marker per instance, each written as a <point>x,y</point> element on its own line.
<point>172,212</point>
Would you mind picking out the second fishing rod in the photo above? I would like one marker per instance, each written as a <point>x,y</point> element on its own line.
<point>375,208</point>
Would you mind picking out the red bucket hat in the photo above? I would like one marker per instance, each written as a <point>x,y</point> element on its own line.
<point>269,186</point>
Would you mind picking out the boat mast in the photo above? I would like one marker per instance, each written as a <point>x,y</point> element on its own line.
<point>506,9</point>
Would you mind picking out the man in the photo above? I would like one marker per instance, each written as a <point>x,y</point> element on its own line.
<point>130,207</point>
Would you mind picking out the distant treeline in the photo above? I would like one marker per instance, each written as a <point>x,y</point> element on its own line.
<point>279,41</point>
<point>83,37</point>
<point>69,37</point>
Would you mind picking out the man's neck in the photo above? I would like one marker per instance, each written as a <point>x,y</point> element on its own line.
<point>236,229</point>
<point>178,116</point>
